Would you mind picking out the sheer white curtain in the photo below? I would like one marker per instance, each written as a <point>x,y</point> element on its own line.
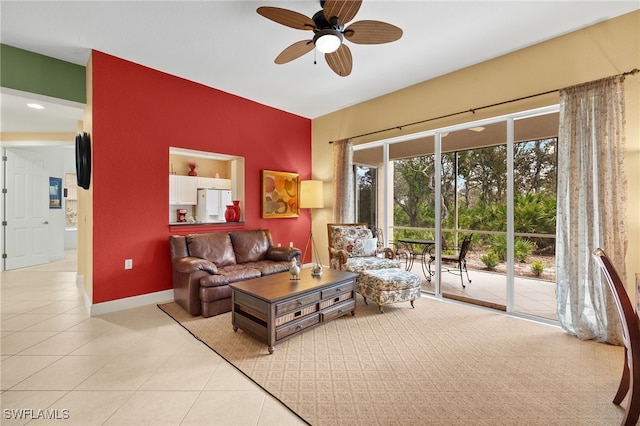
<point>343,207</point>
<point>591,206</point>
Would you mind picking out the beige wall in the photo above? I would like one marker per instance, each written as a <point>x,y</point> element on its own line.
<point>605,49</point>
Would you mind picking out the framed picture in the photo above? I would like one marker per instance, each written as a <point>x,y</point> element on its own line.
<point>280,194</point>
<point>55,193</point>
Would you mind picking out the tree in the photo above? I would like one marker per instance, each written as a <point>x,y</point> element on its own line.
<point>413,189</point>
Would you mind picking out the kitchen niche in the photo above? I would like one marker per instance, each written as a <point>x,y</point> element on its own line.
<point>218,176</point>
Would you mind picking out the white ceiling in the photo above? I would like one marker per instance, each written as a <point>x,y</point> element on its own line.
<point>227,45</point>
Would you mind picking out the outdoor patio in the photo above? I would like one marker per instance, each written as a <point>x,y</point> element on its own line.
<point>532,296</point>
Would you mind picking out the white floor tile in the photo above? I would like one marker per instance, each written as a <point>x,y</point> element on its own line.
<point>63,374</point>
<point>154,408</point>
<point>16,342</point>
<point>87,408</point>
<point>226,408</point>
<point>17,368</point>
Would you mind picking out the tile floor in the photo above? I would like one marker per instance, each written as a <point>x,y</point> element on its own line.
<point>131,367</point>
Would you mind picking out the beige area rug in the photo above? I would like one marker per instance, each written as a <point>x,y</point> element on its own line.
<point>441,363</point>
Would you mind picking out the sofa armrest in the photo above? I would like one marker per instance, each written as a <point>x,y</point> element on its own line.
<point>340,255</point>
<point>188,265</point>
<point>283,254</point>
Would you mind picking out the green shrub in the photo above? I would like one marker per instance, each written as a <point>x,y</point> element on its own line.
<point>537,267</point>
<point>490,260</point>
<point>522,248</point>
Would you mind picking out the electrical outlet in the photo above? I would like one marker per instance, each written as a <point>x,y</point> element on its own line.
<point>128,264</point>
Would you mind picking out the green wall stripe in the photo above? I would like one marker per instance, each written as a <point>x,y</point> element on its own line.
<point>35,73</point>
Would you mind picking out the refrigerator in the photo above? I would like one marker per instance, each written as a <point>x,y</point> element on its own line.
<point>212,204</point>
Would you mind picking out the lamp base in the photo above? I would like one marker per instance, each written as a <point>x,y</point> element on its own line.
<point>316,271</point>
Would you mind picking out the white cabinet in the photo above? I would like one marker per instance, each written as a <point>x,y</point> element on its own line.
<point>205,183</point>
<point>213,183</point>
<point>173,189</point>
<point>183,190</point>
<point>219,183</point>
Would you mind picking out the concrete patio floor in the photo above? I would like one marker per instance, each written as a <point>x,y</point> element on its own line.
<point>532,296</point>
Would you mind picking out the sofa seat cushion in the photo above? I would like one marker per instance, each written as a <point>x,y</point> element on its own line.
<point>215,247</point>
<point>239,272</point>
<point>268,267</point>
<point>211,294</point>
<point>359,264</point>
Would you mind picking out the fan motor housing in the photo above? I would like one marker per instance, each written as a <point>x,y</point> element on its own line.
<point>322,24</point>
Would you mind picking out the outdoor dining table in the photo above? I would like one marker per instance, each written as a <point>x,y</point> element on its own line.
<point>417,248</point>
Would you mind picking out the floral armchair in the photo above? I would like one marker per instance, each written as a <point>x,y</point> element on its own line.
<point>353,248</point>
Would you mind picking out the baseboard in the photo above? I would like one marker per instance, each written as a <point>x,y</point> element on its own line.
<point>131,302</point>
<point>85,296</point>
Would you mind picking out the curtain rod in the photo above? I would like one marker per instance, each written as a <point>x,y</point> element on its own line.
<point>473,110</point>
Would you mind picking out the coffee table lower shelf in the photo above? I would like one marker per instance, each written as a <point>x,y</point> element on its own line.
<point>275,308</point>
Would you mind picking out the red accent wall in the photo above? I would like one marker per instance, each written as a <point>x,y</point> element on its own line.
<point>138,113</point>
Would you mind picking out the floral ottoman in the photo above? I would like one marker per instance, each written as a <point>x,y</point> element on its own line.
<point>385,286</point>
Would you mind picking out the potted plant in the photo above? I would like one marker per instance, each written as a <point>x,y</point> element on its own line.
<point>192,168</point>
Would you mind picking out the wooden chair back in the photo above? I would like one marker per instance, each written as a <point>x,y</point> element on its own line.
<point>630,382</point>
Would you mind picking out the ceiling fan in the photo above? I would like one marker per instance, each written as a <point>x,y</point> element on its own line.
<point>328,26</point>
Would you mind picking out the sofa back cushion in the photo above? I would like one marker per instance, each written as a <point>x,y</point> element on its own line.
<point>214,247</point>
<point>251,245</point>
<point>357,241</point>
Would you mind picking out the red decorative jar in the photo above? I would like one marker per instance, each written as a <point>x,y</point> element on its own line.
<point>236,209</point>
<point>230,214</point>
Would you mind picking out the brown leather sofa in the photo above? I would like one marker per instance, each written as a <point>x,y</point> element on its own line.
<point>205,264</point>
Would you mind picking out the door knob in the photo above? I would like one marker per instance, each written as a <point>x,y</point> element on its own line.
<point>46,222</point>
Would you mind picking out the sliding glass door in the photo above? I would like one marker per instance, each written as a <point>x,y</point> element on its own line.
<point>534,212</point>
<point>494,179</point>
<point>474,202</point>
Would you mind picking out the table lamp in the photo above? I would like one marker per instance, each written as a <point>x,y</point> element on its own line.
<point>312,197</point>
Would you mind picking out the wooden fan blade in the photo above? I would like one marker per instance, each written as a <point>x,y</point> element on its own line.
<point>344,10</point>
<point>340,61</point>
<point>287,17</point>
<point>294,51</point>
<point>372,32</point>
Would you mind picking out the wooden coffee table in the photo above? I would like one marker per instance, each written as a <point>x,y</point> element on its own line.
<point>274,308</point>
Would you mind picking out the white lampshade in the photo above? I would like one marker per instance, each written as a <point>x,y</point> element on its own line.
<point>311,194</point>
<point>328,40</point>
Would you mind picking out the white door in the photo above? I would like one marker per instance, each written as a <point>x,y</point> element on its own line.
<point>27,210</point>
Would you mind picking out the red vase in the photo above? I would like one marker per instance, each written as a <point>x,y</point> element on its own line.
<point>236,210</point>
<point>230,214</point>
<point>192,173</point>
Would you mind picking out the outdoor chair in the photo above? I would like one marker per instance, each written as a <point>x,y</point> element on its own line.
<point>459,259</point>
<point>630,381</point>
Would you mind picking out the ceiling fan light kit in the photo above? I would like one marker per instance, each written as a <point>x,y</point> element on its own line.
<point>328,26</point>
<point>327,41</point>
